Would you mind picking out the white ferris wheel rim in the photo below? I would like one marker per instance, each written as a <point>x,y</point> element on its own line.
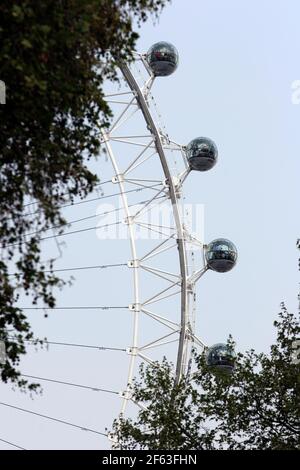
<point>187,336</point>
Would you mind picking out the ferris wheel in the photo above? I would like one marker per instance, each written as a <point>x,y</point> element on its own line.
<point>175,161</point>
<point>166,258</point>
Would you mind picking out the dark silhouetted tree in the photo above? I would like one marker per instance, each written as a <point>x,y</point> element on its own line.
<point>54,57</point>
<point>255,407</point>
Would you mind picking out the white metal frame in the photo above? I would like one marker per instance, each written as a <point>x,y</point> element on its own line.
<point>170,187</point>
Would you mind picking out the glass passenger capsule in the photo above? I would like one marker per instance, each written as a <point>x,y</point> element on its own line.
<point>221,255</point>
<point>163,59</point>
<point>202,154</point>
<point>221,358</point>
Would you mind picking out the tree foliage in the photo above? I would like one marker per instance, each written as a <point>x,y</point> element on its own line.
<point>54,57</point>
<point>256,407</point>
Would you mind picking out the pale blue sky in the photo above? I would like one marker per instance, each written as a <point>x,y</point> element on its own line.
<point>233,84</point>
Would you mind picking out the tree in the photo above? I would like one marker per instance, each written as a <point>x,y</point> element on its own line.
<point>54,57</point>
<point>255,407</point>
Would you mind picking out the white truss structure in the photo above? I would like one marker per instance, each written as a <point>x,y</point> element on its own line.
<point>136,98</point>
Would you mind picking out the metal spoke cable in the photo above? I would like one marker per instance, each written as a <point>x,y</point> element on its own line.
<point>11,444</point>
<point>88,217</point>
<point>83,428</point>
<point>66,233</point>
<point>100,266</point>
<point>100,198</point>
<point>66,194</point>
<point>109,195</point>
<point>74,231</point>
<point>76,308</point>
<point>74,345</point>
<point>79,268</point>
<point>95,389</point>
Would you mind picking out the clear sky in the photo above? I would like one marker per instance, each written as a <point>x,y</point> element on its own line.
<point>238,61</point>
